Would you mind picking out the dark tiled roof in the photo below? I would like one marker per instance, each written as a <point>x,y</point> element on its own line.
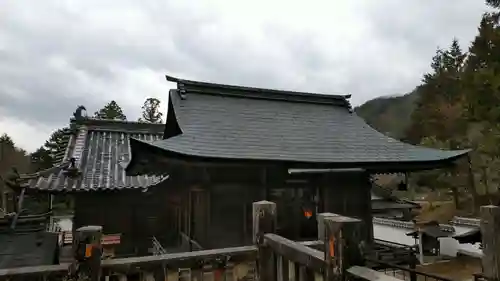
<point>99,148</point>
<point>236,123</point>
<point>383,199</point>
<point>472,236</point>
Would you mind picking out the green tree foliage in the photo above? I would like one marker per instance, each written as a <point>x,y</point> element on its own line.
<point>439,110</point>
<point>151,111</point>
<point>10,157</point>
<point>493,3</point>
<point>459,107</point>
<point>41,159</point>
<point>52,151</point>
<point>111,111</point>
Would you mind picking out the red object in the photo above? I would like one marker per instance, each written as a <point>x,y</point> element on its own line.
<point>217,274</point>
<point>112,239</point>
<point>308,213</point>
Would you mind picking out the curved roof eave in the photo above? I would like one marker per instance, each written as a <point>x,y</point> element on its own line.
<point>447,157</point>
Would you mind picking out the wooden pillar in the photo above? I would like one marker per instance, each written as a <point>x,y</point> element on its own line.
<point>490,227</point>
<point>321,224</point>
<point>342,242</point>
<point>264,221</point>
<point>88,251</point>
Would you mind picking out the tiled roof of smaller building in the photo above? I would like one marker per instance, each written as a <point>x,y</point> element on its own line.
<point>97,149</point>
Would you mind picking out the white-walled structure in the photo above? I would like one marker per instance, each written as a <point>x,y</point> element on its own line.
<point>395,231</point>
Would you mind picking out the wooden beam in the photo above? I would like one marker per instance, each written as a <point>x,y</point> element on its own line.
<point>125,265</point>
<point>19,208</point>
<point>490,227</point>
<point>295,252</point>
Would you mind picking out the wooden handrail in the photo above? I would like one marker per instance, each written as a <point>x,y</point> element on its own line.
<point>276,257</point>
<point>295,252</point>
<point>146,262</point>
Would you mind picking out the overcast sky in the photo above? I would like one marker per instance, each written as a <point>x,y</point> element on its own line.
<point>55,55</point>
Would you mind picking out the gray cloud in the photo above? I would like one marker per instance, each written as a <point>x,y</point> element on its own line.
<point>54,55</point>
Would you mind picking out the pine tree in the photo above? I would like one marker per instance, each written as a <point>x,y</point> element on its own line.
<point>493,3</point>
<point>41,159</point>
<point>151,111</point>
<point>111,111</point>
<point>480,52</point>
<point>52,152</point>
<point>6,140</point>
<point>438,112</point>
<point>10,157</point>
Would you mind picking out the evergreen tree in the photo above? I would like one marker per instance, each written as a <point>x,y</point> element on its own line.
<point>6,140</point>
<point>10,157</point>
<point>41,159</point>
<point>111,111</point>
<point>482,48</point>
<point>438,112</point>
<point>493,3</point>
<point>151,111</point>
<point>54,148</point>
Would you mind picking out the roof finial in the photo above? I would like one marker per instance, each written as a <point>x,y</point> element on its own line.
<point>78,112</point>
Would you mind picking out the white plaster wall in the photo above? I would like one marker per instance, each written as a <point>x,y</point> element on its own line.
<point>393,234</point>
<point>65,224</point>
<point>450,246</point>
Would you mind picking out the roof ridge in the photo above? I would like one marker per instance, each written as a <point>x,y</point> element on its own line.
<point>117,125</point>
<point>185,86</point>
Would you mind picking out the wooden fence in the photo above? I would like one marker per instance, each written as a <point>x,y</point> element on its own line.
<point>271,258</point>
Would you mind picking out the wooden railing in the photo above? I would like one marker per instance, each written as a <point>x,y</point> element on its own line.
<point>272,258</point>
<point>406,273</point>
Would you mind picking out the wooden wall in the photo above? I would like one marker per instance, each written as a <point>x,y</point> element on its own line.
<point>349,194</point>
<point>216,213</point>
<point>136,215</point>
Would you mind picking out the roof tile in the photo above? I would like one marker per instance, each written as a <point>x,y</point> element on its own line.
<point>100,147</point>
<point>217,123</point>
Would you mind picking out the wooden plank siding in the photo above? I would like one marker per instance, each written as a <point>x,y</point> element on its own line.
<point>137,216</point>
<point>349,194</point>
<point>216,213</point>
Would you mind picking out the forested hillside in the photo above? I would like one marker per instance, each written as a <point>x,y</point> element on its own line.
<point>389,115</point>
<point>456,105</point>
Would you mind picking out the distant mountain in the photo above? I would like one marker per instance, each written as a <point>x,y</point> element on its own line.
<point>389,115</point>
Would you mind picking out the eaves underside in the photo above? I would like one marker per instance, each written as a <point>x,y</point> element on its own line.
<point>157,155</point>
